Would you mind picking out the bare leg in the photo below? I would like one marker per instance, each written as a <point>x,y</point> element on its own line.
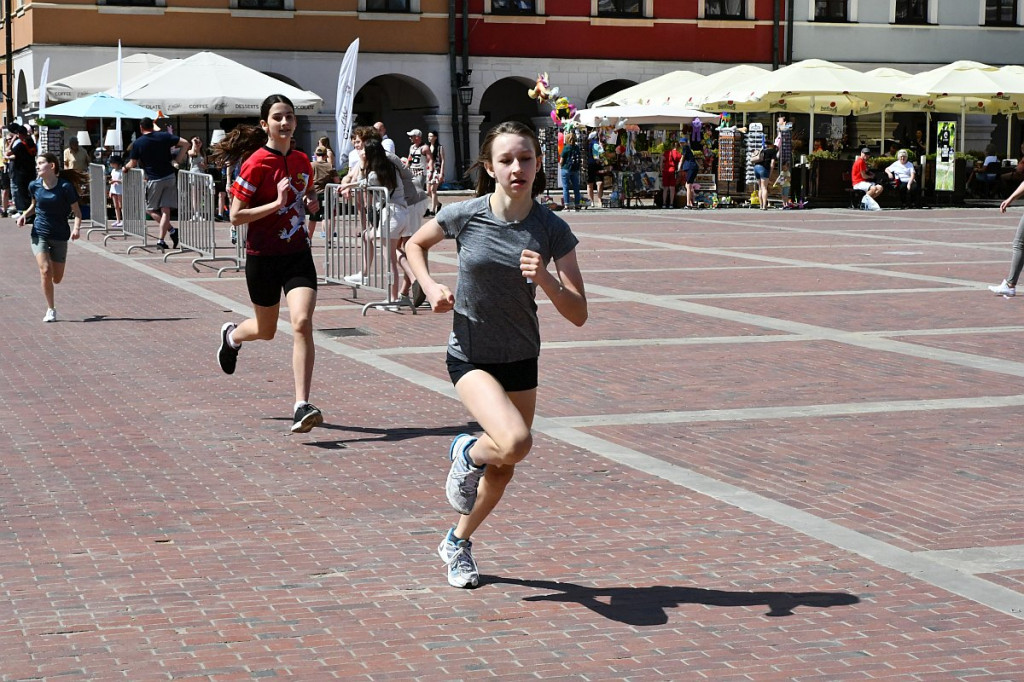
<point>301,302</point>
<point>506,419</point>
<point>48,276</point>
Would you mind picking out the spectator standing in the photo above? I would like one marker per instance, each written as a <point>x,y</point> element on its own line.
<point>595,169</point>
<point>437,177</point>
<point>323,174</point>
<point>152,151</point>
<point>23,165</point>
<point>325,142</point>
<point>688,172</point>
<point>569,164</point>
<point>670,163</point>
<point>76,158</point>
<point>387,142</point>
<point>421,163</point>
<point>116,189</point>
<point>54,197</point>
<point>763,172</point>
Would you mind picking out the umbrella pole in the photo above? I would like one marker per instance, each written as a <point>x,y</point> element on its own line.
<point>881,141</point>
<point>963,122</point>
<point>812,124</point>
<point>1009,134</point>
<point>927,132</point>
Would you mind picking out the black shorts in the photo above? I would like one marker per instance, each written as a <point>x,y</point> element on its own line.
<point>267,276</point>
<point>513,376</point>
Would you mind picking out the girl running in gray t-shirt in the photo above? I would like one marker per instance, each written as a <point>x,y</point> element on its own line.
<point>505,241</point>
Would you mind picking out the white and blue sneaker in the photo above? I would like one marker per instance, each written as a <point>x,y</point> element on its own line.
<point>458,556</point>
<point>1003,289</point>
<point>463,477</point>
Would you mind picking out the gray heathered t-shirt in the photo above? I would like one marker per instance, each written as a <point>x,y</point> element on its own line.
<point>495,317</point>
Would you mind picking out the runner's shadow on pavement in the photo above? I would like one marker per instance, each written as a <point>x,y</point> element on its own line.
<point>106,318</point>
<point>644,606</point>
<point>379,435</point>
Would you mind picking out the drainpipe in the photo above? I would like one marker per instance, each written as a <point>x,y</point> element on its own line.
<point>789,31</point>
<point>465,71</point>
<point>454,87</point>
<point>8,62</point>
<point>775,34</point>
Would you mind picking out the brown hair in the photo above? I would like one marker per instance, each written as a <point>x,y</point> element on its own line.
<point>484,182</point>
<point>76,178</point>
<point>245,139</point>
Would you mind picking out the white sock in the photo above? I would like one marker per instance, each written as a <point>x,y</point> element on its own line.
<point>231,340</point>
<point>300,404</point>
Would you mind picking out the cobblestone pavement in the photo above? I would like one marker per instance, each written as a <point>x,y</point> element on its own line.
<point>784,447</point>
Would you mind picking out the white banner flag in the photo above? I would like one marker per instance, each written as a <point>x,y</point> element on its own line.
<point>346,93</point>
<point>42,88</point>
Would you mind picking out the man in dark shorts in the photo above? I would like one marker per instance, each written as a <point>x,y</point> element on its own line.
<point>152,152</point>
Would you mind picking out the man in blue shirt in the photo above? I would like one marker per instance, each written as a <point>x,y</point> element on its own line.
<point>152,151</point>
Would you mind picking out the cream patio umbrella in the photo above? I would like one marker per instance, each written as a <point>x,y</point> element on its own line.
<point>207,83</point>
<point>895,79</point>
<point>99,78</point>
<point>722,80</point>
<point>666,89</point>
<point>967,87</point>
<point>812,86</point>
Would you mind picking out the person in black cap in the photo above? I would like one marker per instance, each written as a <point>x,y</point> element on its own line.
<point>23,165</point>
<point>864,179</point>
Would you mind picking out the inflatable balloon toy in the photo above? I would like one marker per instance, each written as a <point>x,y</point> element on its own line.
<point>541,91</point>
<point>564,111</point>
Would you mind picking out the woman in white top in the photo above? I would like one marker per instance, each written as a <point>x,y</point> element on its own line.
<point>903,171</point>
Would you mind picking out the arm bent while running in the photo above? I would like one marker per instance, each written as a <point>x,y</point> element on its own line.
<point>565,291</point>
<point>441,298</point>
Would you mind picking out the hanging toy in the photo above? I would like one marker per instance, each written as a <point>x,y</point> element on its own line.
<point>541,91</point>
<point>696,126</point>
<point>564,110</point>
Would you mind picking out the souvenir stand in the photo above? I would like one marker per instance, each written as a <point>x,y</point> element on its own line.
<point>755,143</point>
<point>732,164</point>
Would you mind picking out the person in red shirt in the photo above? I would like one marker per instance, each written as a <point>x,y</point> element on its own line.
<point>272,193</point>
<point>863,178</point>
<point>671,164</point>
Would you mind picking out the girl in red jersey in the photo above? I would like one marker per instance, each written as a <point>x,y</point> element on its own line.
<point>271,193</point>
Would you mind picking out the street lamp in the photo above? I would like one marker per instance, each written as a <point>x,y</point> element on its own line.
<point>465,99</point>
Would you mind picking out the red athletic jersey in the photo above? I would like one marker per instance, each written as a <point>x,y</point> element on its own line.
<point>283,232</point>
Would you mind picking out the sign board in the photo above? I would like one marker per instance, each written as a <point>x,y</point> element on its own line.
<point>945,167</point>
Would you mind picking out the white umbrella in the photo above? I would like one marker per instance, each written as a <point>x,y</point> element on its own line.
<point>895,78</point>
<point>812,86</point>
<point>207,83</point>
<point>967,87</point>
<point>640,114</point>
<point>99,78</point>
<point>722,80</point>
<point>658,90</point>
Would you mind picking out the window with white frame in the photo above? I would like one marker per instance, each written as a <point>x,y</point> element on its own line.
<point>514,7</point>
<point>1000,12</point>
<point>911,11</point>
<point>831,10</point>
<point>725,9</point>
<point>388,6</point>
<point>620,8</point>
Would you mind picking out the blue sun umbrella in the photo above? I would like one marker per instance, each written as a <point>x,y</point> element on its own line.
<point>100,105</point>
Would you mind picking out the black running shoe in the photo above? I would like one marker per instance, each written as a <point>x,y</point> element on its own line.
<point>307,416</point>
<point>162,245</point>
<point>227,356</point>
<point>173,234</point>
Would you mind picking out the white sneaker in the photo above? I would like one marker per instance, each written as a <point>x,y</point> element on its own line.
<point>462,570</point>
<point>356,278</point>
<point>51,315</point>
<point>1003,289</point>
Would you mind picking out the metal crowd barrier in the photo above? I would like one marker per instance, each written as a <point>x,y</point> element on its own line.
<point>357,252</point>
<point>97,199</point>
<point>197,207</point>
<point>238,244</point>
<point>133,209</point>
